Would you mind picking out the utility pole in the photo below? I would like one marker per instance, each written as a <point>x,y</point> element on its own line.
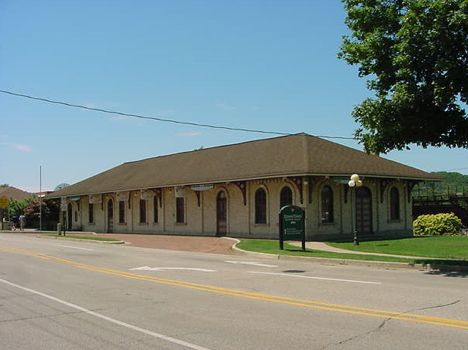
<point>40,197</point>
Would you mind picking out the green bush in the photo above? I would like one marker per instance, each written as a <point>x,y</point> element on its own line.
<point>437,224</point>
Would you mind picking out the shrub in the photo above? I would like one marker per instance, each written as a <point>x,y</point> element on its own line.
<point>437,224</point>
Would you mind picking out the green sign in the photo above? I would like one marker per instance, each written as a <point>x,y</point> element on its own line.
<point>292,224</point>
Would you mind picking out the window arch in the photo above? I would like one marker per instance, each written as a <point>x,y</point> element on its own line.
<point>327,204</point>
<point>394,204</point>
<point>260,206</point>
<point>286,196</point>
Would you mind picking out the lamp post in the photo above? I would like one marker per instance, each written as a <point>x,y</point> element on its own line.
<point>354,182</point>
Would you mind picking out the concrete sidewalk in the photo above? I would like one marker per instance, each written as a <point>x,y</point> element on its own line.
<point>327,248</point>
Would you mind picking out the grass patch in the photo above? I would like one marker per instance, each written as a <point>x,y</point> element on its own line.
<point>272,247</point>
<point>89,238</point>
<point>442,247</point>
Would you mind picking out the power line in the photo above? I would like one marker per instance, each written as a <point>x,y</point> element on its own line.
<point>160,119</point>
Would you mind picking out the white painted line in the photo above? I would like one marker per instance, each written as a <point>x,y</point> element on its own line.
<point>147,268</point>
<point>313,277</point>
<point>111,320</point>
<point>69,246</point>
<point>253,263</point>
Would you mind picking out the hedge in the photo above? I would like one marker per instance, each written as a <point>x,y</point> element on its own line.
<point>437,224</point>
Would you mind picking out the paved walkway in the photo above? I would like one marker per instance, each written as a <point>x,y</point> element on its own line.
<point>328,248</point>
<point>215,245</point>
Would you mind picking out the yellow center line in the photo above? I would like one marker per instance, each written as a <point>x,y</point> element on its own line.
<point>310,304</point>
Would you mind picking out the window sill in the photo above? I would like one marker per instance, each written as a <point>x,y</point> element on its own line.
<point>180,223</point>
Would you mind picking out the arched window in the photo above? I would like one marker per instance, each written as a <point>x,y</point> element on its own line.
<point>91,213</point>
<point>142,211</point>
<point>327,204</point>
<point>180,210</point>
<point>394,204</point>
<point>260,206</point>
<point>285,196</point>
<point>121,212</point>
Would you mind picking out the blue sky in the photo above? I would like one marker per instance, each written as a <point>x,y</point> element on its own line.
<point>251,64</point>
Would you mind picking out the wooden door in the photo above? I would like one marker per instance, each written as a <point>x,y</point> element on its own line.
<point>69,216</point>
<point>110,216</point>
<point>363,210</point>
<point>221,214</point>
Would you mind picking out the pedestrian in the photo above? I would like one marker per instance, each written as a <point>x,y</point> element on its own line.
<point>22,220</point>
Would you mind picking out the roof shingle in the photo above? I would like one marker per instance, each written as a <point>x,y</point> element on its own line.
<point>298,154</point>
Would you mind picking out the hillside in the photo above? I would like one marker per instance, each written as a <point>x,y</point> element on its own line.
<point>452,183</point>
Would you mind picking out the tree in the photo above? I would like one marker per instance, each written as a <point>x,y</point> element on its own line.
<point>415,53</point>
<point>16,208</point>
<point>50,213</point>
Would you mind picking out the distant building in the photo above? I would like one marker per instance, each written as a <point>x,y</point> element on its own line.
<point>43,194</point>
<point>11,192</point>
<point>238,189</point>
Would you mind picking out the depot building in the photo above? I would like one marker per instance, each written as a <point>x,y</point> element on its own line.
<point>238,189</point>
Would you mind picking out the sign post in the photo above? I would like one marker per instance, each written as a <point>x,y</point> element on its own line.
<point>4,202</point>
<point>291,225</point>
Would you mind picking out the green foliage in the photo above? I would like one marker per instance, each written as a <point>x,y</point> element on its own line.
<point>437,224</point>
<point>4,185</point>
<point>50,213</point>
<point>415,53</point>
<point>16,208</point>
<point>451,183</point>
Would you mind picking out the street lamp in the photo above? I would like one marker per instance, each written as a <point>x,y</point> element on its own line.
<point>354,182</point>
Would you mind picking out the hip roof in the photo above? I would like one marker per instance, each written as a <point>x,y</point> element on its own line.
<point>293,155</point>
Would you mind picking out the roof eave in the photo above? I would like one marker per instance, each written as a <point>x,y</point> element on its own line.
<point>217,181</point>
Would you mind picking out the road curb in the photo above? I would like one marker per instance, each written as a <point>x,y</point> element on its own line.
<point>81,240</point>
<point>366,263</point>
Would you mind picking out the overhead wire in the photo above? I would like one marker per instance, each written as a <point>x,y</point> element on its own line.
<point>160,119</point>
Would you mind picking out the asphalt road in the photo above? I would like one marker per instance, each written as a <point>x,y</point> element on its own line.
<point>80,295</point>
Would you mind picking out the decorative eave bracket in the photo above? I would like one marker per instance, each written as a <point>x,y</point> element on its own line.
<point>158,193</point>
<point>409,188</point>
<point>299,183</point>
<point>346,190</point>
<point>242,185</point>
<point>384,183</point>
